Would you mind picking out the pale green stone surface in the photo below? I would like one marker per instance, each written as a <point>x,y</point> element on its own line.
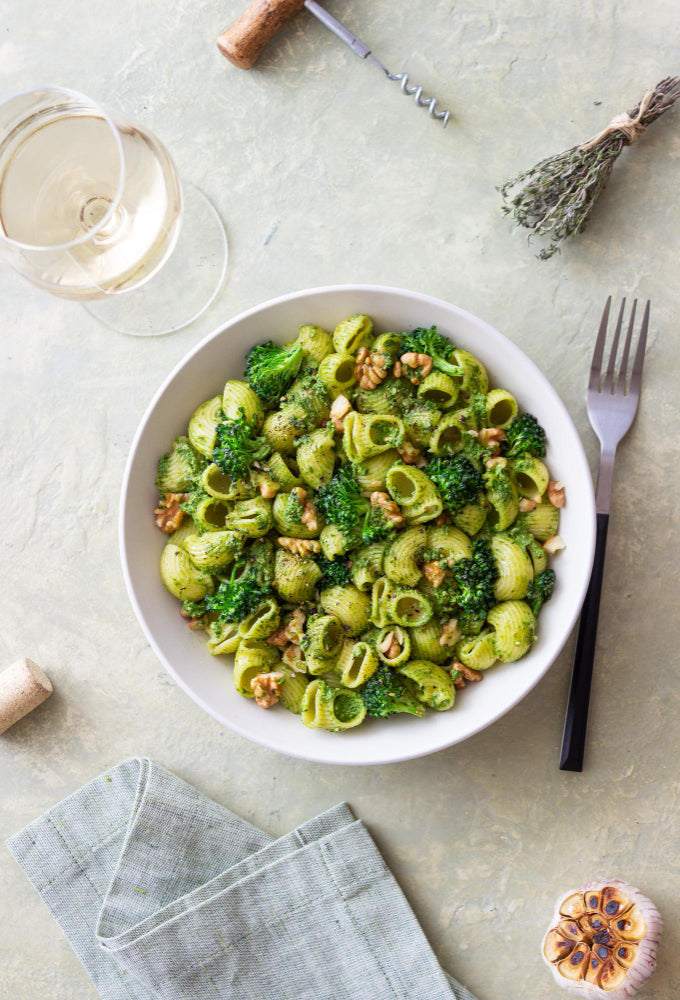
<point>325,173</point>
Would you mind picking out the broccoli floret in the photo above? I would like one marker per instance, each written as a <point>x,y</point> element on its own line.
<point>250,582</point>
<point>524,436</point>
<point>540,590</point>
<point>475,578</point>
<point>387,693</point>
<point>341,502</point>
<point>271,369</point>
<point>237,447</point>
<point>444,600</point>
<point>194,609</point>
<point>439,348</point>
<point>235,598</point>
<point>457,481</point>
<point>376,526</point>
<point>334,573</point>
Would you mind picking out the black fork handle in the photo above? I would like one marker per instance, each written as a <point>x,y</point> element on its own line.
<point>576,721</point>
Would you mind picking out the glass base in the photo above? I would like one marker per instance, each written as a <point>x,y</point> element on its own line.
<point>184,286</point>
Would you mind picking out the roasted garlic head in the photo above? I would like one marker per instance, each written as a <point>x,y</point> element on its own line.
<point>603,940</point>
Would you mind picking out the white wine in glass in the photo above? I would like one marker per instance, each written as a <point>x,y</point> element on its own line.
<point>91,207</point>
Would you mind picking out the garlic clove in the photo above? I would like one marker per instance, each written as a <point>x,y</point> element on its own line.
<point>613,901</point>
<point>601,951</point>
<point>573,906</point>
<point>556,945</point>
<point>625,955</point>
<point>574,966</point>
<point>592,899</point>
<point>592,923</point>
<point>612,976</point>
<point>593,970</point>
<point>571,929</point>
<point>631,926</point>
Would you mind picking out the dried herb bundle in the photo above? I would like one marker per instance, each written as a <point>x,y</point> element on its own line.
<point>557,195</point>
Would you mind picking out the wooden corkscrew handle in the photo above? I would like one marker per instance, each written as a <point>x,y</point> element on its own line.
<point>244,41</point>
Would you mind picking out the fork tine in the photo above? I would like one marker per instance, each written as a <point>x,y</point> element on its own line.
<point>639,361</point>
<point>596,363</point>
<point>621,380</point>
<point>609,377</point>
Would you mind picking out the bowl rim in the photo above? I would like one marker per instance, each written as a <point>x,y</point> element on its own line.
<point>588,521</point>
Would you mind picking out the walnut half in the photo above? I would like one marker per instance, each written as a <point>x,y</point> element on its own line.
<point>340,408</point>
<point>390,646</point>
<point>168,513</point>
<point>268,487</point>
<point>300,546</point>
<point>468,674</point>
<point>433,573</point>
<point>309,516</point>
<point>491,437</point>
<point>553,544</point>
<point>450,633</point>
<point>420,365</point>
<point>556,493</point>
<point>388,506</point>
<point>292,632</point>
<point>266,688</point>
<point>370,368</point>
<point>409,453</point>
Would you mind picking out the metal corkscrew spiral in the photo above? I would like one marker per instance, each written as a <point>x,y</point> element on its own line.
<point>417,93</point>
<point>243,42</point>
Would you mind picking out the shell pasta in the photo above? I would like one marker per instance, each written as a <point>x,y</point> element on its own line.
<point>362,523</point>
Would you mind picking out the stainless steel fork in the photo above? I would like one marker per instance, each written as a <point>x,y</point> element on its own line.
<point>612,405</point>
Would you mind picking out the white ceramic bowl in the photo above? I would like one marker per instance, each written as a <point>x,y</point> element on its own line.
<point>207,679</point>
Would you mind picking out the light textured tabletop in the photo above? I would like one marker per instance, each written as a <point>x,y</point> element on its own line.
<point>325,173</point>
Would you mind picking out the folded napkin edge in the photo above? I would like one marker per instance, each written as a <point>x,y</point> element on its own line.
<point>225,882</point>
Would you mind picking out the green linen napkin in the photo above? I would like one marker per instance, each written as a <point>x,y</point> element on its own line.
<point>163,893</point>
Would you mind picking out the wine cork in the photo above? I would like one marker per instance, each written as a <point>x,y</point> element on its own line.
<point>244,41</point>
<point>23,686</point>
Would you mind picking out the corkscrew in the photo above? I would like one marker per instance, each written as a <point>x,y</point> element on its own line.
<point>244,41</point>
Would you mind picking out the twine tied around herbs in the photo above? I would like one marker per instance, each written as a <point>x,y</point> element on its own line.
<point>632,128</point>
<point>555,197</point>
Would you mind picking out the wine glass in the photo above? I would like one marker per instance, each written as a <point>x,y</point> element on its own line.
<point>91,208</point>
